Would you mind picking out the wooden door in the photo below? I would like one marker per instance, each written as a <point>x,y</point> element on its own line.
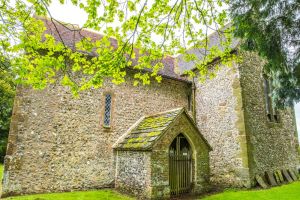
<point>180,164</point>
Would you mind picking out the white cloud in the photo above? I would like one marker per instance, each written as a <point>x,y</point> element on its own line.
<point>68,13</point>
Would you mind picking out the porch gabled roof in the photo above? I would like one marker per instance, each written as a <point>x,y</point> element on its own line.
<point>149,129</point>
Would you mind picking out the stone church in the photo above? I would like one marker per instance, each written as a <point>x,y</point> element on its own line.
<point>153,141</point>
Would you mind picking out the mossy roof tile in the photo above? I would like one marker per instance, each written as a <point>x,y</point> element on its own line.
<point>147,131</point>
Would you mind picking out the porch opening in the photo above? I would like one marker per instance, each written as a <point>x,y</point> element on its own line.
<point>180,164</point>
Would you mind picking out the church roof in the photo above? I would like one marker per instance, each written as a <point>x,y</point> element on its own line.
<point>214,39</point>
<point>149,129</point>
<point>69,35</point>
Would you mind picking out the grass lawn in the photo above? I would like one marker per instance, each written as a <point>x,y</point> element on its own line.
<point>285,192</point>
<point>88,195</point>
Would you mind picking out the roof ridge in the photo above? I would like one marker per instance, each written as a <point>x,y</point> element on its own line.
<point>164,112</point>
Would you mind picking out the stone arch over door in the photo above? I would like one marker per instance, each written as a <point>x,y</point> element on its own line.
<point>180,165</point>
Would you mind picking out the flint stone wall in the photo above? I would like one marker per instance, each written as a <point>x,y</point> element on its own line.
<point>133,173</point>
<point>272,146</point>
<point>220,118</point>
<point>58,143</point>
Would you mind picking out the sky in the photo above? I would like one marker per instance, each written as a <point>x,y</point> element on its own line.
<point>68,13</point>
<point>72,14</point>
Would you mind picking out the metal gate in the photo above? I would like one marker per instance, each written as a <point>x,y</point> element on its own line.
<point>180,164</point>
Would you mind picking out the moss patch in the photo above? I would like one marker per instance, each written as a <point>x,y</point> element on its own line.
<point>151,134</point>
<point>144,134</point>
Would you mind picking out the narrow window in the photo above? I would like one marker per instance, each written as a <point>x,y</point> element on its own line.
<point>189,98</point>
<point>272,112</point>
<point>274,109</point>
<point>267,98</point>
<point>107,110</point>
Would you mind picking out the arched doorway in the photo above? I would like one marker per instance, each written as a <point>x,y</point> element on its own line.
<point>180,166</point>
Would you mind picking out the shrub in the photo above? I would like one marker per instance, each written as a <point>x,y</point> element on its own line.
<point>3,144</point>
